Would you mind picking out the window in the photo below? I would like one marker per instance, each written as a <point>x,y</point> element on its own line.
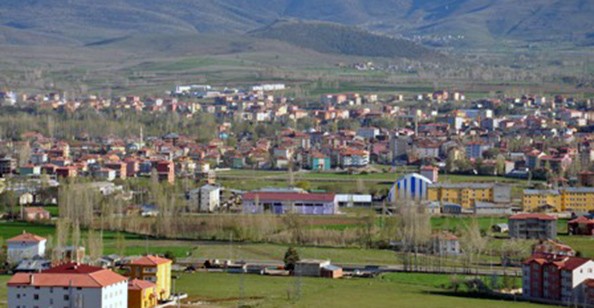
<point>36,297</point>
<point>66,297</point>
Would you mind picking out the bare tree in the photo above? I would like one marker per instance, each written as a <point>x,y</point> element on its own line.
<point>414,231</point>
<point>95,245</point>
<point>473,244</point>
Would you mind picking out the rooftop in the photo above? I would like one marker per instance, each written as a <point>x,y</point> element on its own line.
<point>26,238</point>
<point>150,260</point>
<point>68,275</point>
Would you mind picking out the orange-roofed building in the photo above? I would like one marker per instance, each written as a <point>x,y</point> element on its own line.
<point>154,269</point>
<point>69,285</point>
<point>25,246</point>
<point>142,294</point>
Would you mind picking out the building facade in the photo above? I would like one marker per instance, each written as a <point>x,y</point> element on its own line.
<point>467,194</point>
<point>290,202</point>
<point>532,226</point>
<point>559,279</point>
<point>142,294</point>
<point>153,269</point>
<point>68,285</point>
<point>575,199</point>
<point>25,246</point>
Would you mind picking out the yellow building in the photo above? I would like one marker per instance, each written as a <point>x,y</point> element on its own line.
<point>142,294</point>
<point>539,200</point>
<point>574,199</point>
<point>156,270</point>
<point>467,194</point>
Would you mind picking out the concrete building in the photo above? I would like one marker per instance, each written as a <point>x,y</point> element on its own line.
<point>574,199</point>
<point>142,294</point>
<point>558,279</point>
<point>290,202</point>
<point>349,200</point>
<point>445,244</point>
<point>154,269</point>
<point>68,285</point>
<point>467,194</point>
<point>532,226</point>
<point>430,172</point>
<point>310,268</point>
<point>25,246</point>
<point>205,199</point>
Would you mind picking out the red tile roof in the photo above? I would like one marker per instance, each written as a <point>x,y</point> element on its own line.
<point>27,238</point>
<point>581,220</point>
<point>68,275</point>
<point>289,196</point>
<point>572,263</point>
<point>150,260</point>
<point>137,284</point>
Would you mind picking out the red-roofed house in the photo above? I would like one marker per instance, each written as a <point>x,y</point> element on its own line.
<point>581,226</point>
<point>290,202</point>
<point>69,285</point>
<point>25,246</point>
<point>34,213</point>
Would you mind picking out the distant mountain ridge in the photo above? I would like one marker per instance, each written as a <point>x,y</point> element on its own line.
<point>333,38</point>
<point>479,22</point>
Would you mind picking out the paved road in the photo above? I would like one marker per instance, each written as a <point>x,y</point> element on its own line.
<point>495,270</point>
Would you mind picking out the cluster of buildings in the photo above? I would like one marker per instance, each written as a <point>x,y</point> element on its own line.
<point>558,278</point>
<point>69,283</point>
<point>451,198</point>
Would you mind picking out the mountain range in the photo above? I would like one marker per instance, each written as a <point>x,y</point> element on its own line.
<point>477,22</point>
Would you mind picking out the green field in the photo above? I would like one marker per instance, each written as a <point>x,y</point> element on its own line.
<point>342,182</point>
<point>391,290</point>
<point>388,290</point>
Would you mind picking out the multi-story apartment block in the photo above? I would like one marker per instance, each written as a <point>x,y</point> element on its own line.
<point>561,279</point>
<point>532,226</point>
<point>467,194</point>
<point>68,285</point>
<point>576,199</point>
<point>154,269</point>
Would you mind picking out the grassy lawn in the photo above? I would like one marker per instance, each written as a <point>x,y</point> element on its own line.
<point>389,290</point>
<point>404,290</point>
<point>582,244</point>
<point>3,290</point>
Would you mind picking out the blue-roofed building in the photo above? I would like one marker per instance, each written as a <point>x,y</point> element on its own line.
<point>412,186</point>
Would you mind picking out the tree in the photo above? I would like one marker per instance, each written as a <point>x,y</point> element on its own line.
<point>120,244</point>
<point>472,242</point>
<point>291,258</point>
<point>24,154</point>
<point>170,255</point>
<point>500,165</point>
<point>76,234</point>
<point>414,231</point>
<point>305,185</point>
<point>95,245</point>
<point>367,229</point>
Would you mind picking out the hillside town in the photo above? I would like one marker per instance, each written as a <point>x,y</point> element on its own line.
<point>526,163</point>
